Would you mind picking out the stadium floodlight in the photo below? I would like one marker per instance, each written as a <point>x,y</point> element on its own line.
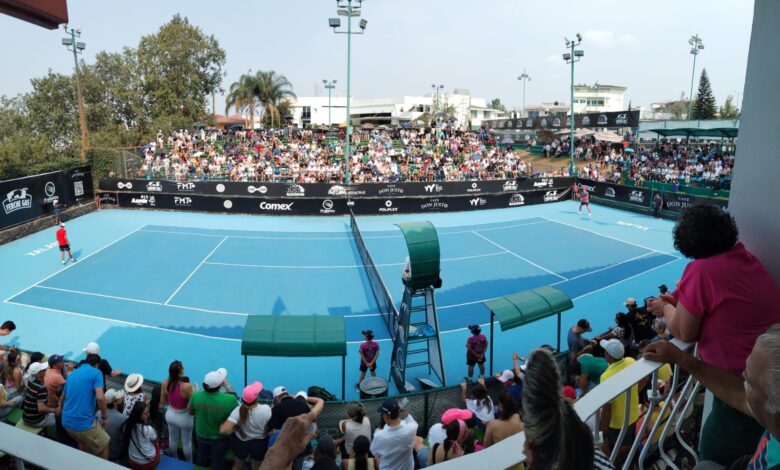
<point>579,37</point>
<point>566,40</point>
<point>334,22</point>
<point>567,57</point>
<point>363,23</point>
<point>80,46</point>
<point>525,78</point>
<point>67,41</point>
<point>696,46</point>
<point>77,47</point>
<point>579,53</point>
<point>575,55</point>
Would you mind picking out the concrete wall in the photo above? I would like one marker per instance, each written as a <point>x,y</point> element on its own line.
<point>754,190</point>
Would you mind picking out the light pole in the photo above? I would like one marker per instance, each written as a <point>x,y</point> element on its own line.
<point>78,48</point>
<point>348,8</point>
<point>435,106</point>
<point>696,47</point>
<point>330,85</point>
<point>525,78</point>
<point>571,57</point>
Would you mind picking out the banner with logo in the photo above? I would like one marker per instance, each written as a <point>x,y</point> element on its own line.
<point>80,187</point>
<point>287,190</point>
<point>616,192</point>
<point>26,198</point>
<point>611,119</point>
<point>678,202</point>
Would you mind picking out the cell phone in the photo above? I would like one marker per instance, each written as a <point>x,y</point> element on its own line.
<point>403,403</point>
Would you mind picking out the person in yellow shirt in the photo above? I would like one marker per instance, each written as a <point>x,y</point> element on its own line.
<point>613,414</point>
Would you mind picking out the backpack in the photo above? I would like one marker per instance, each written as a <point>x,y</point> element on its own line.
<point>320,392</point>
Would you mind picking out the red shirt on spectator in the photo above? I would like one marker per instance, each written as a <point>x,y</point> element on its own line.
<point>736,300</point>
<point>62,237</point>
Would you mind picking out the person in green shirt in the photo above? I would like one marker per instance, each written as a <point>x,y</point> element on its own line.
<point>592,365</point>
<point>211,408</point>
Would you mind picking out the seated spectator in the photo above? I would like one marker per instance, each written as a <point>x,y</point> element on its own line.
<point>116,419</point>
<point>555,437</point>
<point>437,433</point>
<point>246,426</point>
<point>716,304</point>
<point>35,357</point>
<point>13,376</point>
<point>37,412</point>
<point>641,321</point>
<point>393,442</point>
<point>211,408</point>
<point>592,365</point>
<point>508,422</point>
<point>140,439</point>
<point>756,394</point>
<point>133,392</point>
<point>8,405</point>
<point>325,454</point>
<point>83,393</point>
<point>479,403</point>
<point>359,458</point>
<point>175,392</point>
<point>612,414</point>
<point>510,382</point>
<point>661,332</point>
<point>357,425</point>
<point>55,379</point>
<point>452,446</point>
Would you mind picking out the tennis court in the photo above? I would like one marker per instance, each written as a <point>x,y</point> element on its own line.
<point>151,287</point>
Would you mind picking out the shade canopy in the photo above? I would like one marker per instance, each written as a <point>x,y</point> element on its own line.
<point>728,132</point>
<point>294,336</point>
<point>608,137</point>
<point>526,307</point>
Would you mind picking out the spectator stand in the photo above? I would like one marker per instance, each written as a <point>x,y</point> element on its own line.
<point>295,336</point>
<point>526,307</point>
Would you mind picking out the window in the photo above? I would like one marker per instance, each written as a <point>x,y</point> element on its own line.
<point>306,112</point>
<point>473,114</point>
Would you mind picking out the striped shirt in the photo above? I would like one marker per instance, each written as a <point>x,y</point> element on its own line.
<point>35,392</point>
<point>601,461</point>
<point>767,455</point>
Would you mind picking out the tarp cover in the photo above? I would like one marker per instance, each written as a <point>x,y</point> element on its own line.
<point>528,306</point>
<point>294,336</point>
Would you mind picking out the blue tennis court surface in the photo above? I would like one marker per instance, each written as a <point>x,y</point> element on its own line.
<point>151,287</point>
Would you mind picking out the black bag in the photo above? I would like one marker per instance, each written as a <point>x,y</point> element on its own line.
<point>320,392</point>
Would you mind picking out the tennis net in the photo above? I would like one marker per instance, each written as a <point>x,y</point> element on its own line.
<point>383,299</point>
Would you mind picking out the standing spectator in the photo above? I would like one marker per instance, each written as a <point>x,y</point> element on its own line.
<point>369,353</point>
<point>83,392</point>
<point>175,393</point>
<point>37,412</point>
<point>359,458</point>
<point>325,454</point>
<point>64,243</point>
<point>133,392</point>
<point>246,426</point>
<point>116,419</point>
<point>658,204</point>
<point>716,304</point>
<point>6,329</point>
<point>357,425</point>
<point>476,346</point>
<point>508,422</point>
<point>612,414</point>
<point>592,365</point>
<point>140,439</point>
<point>211,408</point>
<point>555,437</point>
<point>293,439</point>
<point>104,366</point>
<point>287,407</point>
<point>393,443</point>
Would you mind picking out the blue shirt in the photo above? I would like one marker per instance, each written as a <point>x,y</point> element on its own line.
<point>78,412</point>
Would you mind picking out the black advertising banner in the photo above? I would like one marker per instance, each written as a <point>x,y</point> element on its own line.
<point>335,191</point>
<point>611,119</point>
<point>79,182</point>
<point>678,202</point>
<point>26,198</point>
<point>616,192</point>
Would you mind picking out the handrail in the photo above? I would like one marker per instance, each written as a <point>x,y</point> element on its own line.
<point>45,453</point>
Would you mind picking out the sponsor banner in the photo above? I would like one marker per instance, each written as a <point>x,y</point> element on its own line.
<point>616,192</point>
<point>678,202</point>
<point>79,184</point>
<point>30,197</point>
<point>108,198</point>
<point>335,191</point>
<point>612,119</point>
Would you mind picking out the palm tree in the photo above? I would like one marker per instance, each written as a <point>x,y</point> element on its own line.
<point>272,91</point>
<point>242,97</point>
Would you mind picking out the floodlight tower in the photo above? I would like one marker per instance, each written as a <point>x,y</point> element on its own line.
<point>570,58</point>
<point>77,47</point>
<point>525,78</point>
<point>330,85</point>
<point>696,47</point>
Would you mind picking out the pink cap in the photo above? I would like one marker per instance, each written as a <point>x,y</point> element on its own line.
<point>455,413</point>
<point>251,392</point>
<point>568,392</point>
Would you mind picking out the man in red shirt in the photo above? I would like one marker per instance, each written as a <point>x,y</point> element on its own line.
<point>62,240</point>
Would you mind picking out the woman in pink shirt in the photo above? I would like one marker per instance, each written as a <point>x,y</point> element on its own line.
<point>176,393</point>
<point>725,300</point>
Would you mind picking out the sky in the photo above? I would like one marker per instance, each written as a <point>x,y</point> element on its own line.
<point>479,45</point>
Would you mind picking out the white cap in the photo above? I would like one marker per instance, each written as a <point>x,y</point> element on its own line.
<point>62,225</point>
<point>37,367</point>
<point>215,378</point>
<point>113,395</point>
<point>302,394</point>
<point>629,301</point>
<point>279,391</point>
<point>506,376</point>
<point>613,347</point>
<point>92,348</point>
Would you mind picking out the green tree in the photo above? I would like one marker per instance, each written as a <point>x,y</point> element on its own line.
<point>704,106</point>
<point>180,67</point>
<point>496,103</point>
<point>272,90</point>
<point>678,109</point>
<point>242,96</point>
<point>728,110</point>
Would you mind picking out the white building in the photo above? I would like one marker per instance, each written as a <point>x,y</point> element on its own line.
<point>598,98</point>
<point>463,108</point>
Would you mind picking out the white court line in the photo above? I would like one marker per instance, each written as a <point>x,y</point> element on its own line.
<point>612,238</point>
<point>56,310</point>
<point>194,270</point>
<point>603,269</point>
<point>626,279</point>
<point>518,256</point>
<point>338,266</point>
<point>73,264</point>
<point>222,312</point>
<point>94,294</point>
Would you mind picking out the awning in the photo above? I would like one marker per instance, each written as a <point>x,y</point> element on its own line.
<point>728,132</point>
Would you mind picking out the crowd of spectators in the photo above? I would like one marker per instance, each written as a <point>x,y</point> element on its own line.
<point>308,156</point>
